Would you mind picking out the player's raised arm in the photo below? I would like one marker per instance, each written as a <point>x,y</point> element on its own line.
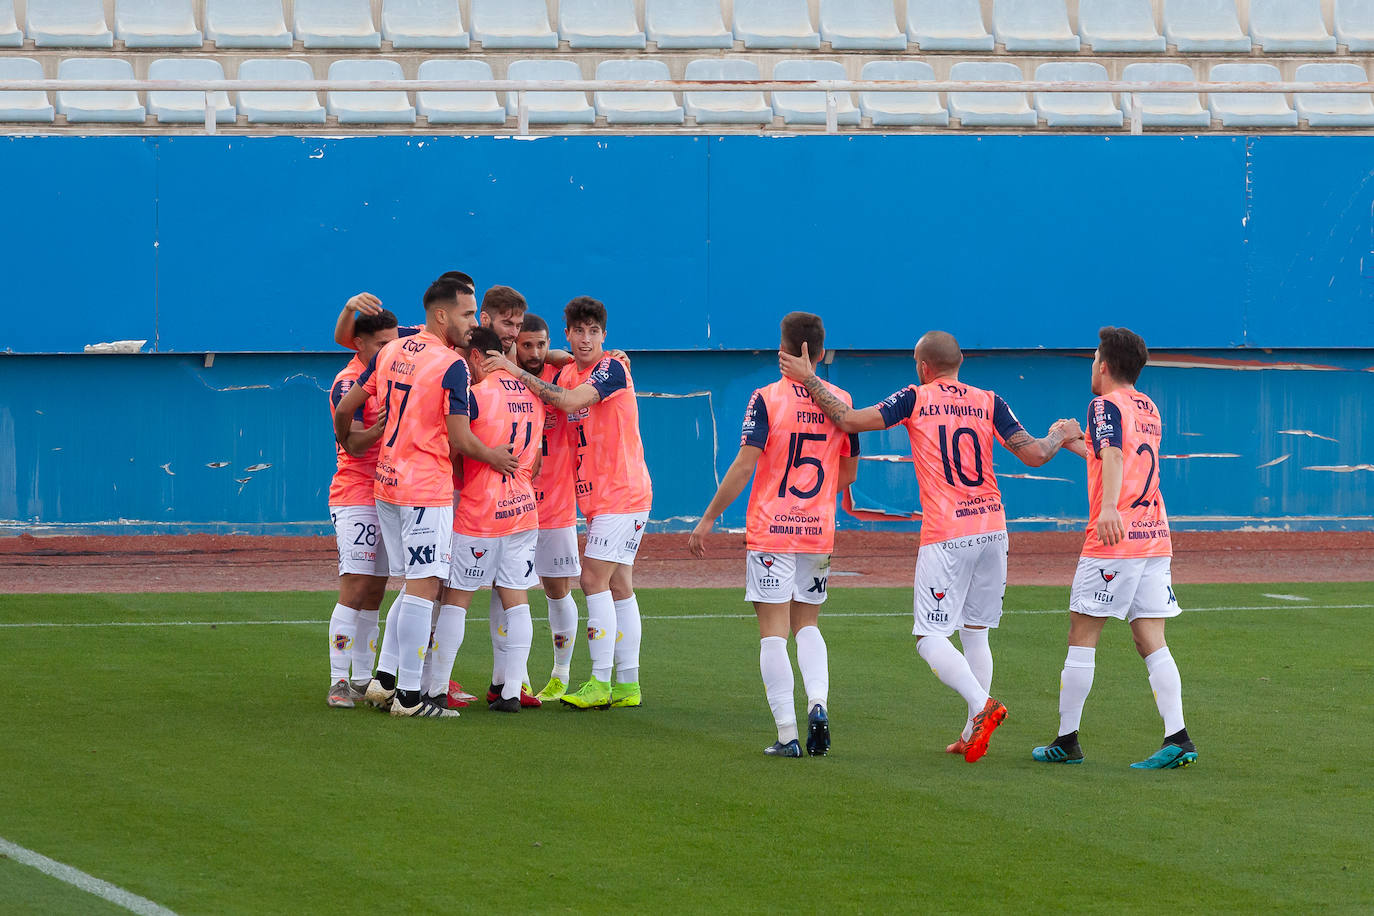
<point>565,399</point>
<point>731,486</point>
<point>361,304</point>
<point>802,369</point>
<point>1033,452</point>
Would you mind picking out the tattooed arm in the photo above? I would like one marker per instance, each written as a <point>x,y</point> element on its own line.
<point>565,399</point>
<point>799,369</point>
<point>1035,452</point>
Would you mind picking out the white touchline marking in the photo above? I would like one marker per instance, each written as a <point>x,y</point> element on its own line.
<point>1286,597</point>
<point>302,623</point>
<point>79,879</point>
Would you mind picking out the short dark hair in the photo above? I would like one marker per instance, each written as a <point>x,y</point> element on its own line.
<point>446,289</point>
<point>533,324</point>
<point>484,339</point>
<point>502,300</point>
<point>1123,352</point>
<point>458,275</point>
<point>371,324</point>
<point>585,310</point>
<point>803,328</point>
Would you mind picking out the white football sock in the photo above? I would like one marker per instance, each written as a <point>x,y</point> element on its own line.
<point>601,634</point>
<point>427,671</point>
<point>343,626</point>
<point>448,639</point>
<point>412,638</point>
<point>388,658</point>
<point>519,638</point>
<point>978,654</point>
<point>1074,684</point>
<point>563,623</point>
<point>814,663</point>
<point>496,624</point>
<point>628,632</point>
<point>1168,688</point>
<point>365,647</point>
<point>953,671</point>
<point>778,685</point>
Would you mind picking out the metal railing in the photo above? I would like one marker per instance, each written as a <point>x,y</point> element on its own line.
<point>1130,90</point>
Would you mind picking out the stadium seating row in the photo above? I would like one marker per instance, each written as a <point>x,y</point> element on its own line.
<point>1203,26</point>
<point>1010,109</point>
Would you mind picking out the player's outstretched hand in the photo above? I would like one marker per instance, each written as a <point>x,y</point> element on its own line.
<point>496,360</point>
<point>1068,429</point>
<point>797,368</point>
<point>1109,527</point>
<point>365,304</point>
<point>696,540</point>
<point>620,355</point>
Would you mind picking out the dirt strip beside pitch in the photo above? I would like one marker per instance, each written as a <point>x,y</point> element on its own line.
<point>214,563</point>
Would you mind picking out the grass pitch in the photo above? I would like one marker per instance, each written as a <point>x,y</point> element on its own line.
<point>198,766</point>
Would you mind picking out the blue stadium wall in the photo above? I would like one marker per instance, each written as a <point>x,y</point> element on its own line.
<point>1247,263</point>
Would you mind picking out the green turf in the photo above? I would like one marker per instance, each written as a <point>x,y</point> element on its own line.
<point>199,767</point>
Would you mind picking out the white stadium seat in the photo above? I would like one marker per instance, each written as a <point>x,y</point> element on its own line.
<point>947,25</point>
<point>11,36</point>
<point>1330,109</point>
<point>886,109</point>
<point>549,107</point>
<point>636,107</point>
<point>1355,24</point>
<point>599,24</point>
<point>1075,109</point>
<point>28,105</point>
<point>246,24</point>
<point>1119,25</point>
<point>336,24</point>
<point>775,24</point>
<point>1165,109</point>
<point>686,24</point>
<point>1285,26</point>
<point>1249,109</point>
<point>458,107</point>
<point>156,24</point>
<point>862,25</point>
<point>726,107</point>
<point>424,24</point>
<point>809,107</point>
<point>990,109</point>
<point>68,24</point>
<point>188,107</point>
<point>1033,25</point>
<point>512,24</point>
<point>99,105</point>
<point>369,107</point>
<point>283,107</point>
<point>1204,26</point>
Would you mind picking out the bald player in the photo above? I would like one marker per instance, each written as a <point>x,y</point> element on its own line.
<point>961,566</point>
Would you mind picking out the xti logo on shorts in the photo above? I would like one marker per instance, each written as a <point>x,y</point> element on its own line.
<point>1172,599</point>
<point>818,584</point>
<point>421,556</point>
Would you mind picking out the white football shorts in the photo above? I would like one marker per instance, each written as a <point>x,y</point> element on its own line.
<point>615,538</point>
<point>960,582</point>
<point>780,578</point>
<point>506,561</point>
<point>417,539</point>
<point>362,551</point>
<point>1124,588</point>
<point>555,553</point>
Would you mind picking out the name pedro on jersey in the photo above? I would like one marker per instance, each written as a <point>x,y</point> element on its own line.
<point>795,523</point>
